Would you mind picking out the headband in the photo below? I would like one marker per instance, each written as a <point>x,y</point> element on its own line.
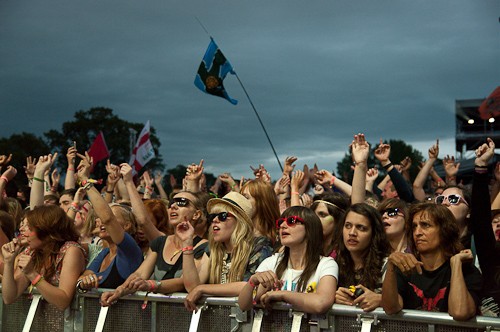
<point>329,203</point>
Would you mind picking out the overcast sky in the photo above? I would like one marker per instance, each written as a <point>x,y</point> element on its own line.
<point>317,72</point>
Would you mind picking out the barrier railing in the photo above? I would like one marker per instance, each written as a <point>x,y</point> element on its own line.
<point>167,313</point>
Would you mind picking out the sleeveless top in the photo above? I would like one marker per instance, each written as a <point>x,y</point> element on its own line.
<point>164,270</point>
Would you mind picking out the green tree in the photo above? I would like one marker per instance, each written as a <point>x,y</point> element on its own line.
<point>399,150</point>
<point>86,127</point>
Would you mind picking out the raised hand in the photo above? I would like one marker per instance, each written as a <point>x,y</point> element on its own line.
<point>434,150</point>
<point>323,177</point>
<point>360,149</point>
<point>4,160</point>
<point>194,172</point>
<point>126,172</point>
<point>29,169</point>
<point>289,166</point>
<point>382,152</point>
<point>158,178</point>
<point>9,173</point>
<point>281,185</point>
<point>371,175</point>
<point>485,152</point>
<point>450,166</point>
<point>83,169</point>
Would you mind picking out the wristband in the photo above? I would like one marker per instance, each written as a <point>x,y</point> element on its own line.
<point>37,280</point>
<point>149,188</point>
<point>3,177</point>
<point>71,169</point>
<point>332,180</point>
<point>38,179</point>
<point>386,167</point>
<point>187,248</point>
<point>252,284</point>
<point>110,192</point>
<point>295,193</point>
<point>152,285</point>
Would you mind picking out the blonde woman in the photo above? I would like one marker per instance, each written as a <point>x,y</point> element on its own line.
<point>235,252</point>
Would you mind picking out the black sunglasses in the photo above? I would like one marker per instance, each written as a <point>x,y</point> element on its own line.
<point>222,216</point>
<point>454,199</point>
<point>392,212</point>
<point>180,201</point>
<point>291,221</point>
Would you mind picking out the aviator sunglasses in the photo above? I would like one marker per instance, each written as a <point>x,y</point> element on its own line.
<point>291,221</point>
<point>392,212</point>
<point>180,201</point>
<point>222,216</point>
<point>454,199</point>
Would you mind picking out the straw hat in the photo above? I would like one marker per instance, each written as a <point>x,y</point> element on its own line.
<point>237,201</point>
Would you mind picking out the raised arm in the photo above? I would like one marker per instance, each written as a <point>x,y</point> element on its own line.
<point>69,180</point>
<point>101,208</point>
<point>6,177</point>
<point>37,188</point>
<point>295,183</point>
<point>382,153</point>
<point>193,175</point>
<point>159,185</point>
<point>360,150</point>
<point>451,169</point>
<point>142,216</point>
<point>423,174</point>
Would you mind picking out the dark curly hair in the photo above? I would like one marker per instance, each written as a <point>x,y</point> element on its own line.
<point>374,256</point>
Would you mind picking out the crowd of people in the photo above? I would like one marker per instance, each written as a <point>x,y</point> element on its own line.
<point>308,238</point>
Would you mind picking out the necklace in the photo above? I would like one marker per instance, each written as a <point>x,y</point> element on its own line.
<point>226,266</point>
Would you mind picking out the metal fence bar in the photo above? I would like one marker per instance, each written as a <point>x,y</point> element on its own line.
<point>221,314</point>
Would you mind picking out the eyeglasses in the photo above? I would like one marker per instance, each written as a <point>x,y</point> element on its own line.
<point>222,216</point>
<point>180,201</point>
<point>291,221</point>
<point>392,212</point>
<point>453,199</point>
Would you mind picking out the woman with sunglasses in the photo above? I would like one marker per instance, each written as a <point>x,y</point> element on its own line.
<point>235,252</point>
<point>330,208</point>
<point>300,274</point>
<point>362,250</point>
<point>121,255</point>
<point>439,276</point>
<point>394,212</point>
<point>457,200</point>
<point>165,256</point>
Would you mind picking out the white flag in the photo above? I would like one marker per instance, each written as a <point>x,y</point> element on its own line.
<point>143,151</point>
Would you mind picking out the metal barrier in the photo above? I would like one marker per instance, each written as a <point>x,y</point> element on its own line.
<point>167,313</point>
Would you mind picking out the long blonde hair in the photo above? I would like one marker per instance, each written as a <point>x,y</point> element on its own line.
<point>242,239</point>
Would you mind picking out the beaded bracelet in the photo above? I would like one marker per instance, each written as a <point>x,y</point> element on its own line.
<point>3,177</point>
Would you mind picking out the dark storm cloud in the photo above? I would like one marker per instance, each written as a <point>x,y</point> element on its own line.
<point>317,71</point>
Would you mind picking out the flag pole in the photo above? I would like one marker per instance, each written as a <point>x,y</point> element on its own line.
<point>251,103</point>
<point>258,117</point>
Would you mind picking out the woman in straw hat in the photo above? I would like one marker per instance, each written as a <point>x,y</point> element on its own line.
<point>235,252</point>
<point>300,274</point>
